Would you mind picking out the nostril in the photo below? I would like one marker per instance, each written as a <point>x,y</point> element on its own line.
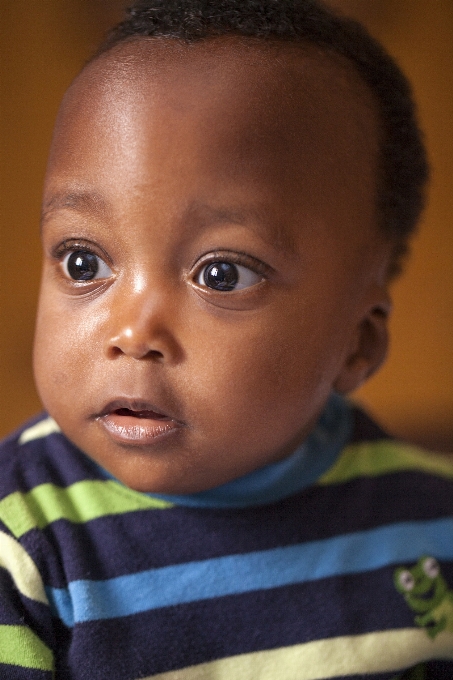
<point>135,351</point>
<point>148,341</point>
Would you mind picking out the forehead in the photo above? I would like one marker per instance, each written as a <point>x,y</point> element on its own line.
<point>257,114</point>
<point>275,90</point>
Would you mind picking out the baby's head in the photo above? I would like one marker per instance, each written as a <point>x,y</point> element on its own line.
<point>229,191</point>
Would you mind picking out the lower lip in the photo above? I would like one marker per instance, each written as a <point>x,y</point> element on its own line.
<point>137,431</point>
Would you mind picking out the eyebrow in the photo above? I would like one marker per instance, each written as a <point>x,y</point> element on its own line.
<point>254,217</point>
<point>80,201</point>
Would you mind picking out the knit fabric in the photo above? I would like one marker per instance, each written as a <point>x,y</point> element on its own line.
<point>348,575</point>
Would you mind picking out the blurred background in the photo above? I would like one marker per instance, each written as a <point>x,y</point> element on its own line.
<point>44,43</point>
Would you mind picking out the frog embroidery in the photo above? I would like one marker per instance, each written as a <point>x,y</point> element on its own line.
<point>427,594</point>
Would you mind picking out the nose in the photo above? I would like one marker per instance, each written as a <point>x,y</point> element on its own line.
<point>142,327</point>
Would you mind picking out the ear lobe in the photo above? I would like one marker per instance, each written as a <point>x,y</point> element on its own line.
<point>369,350</point>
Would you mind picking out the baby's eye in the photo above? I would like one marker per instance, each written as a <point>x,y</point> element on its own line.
<point>83,265</point>
<point>227,276</point>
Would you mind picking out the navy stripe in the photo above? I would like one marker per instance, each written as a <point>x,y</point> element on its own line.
<point>10,607</point>
<point>372,676</point>
<point>202,631</point>
<point>86,600</point>
<point>439,670</point>
<point>364,429</point>
<point>114,545</point>
<point>8,672</point>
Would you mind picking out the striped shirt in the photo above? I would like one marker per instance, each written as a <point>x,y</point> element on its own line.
<point>335,563</point>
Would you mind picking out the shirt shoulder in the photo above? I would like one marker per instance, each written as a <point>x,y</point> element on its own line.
<point>373,453</point>
<point>38,453</point>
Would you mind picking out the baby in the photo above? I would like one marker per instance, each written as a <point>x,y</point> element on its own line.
<point>230,189</point>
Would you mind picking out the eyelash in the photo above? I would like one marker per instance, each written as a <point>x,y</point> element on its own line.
<point>234,257</point>
<point>70,246</point>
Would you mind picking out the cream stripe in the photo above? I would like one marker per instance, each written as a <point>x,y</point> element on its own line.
<point>23,570</point>
<point>38,431</point>
<point>391,650</point>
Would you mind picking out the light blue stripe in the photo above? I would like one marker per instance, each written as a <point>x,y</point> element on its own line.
<point>356,552</point>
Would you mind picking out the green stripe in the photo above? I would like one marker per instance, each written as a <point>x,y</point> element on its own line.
<point>372,459</point>
<point>19,646</point>
<point>78,503</point>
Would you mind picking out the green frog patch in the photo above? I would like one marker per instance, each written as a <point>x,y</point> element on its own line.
<point>427,594</point>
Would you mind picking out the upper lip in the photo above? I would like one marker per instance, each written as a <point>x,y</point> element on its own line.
<point>135,405</point>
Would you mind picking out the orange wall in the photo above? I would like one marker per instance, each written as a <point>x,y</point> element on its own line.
<point>413,393</point>
<point>43,45</point>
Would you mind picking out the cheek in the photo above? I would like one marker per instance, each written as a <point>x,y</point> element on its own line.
<point>64,349</point>
<point>49,363</point>
<point>254,372</point>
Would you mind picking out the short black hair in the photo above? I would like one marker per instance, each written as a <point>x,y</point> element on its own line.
<point>403,168</point>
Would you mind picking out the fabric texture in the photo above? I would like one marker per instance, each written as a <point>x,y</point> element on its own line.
<point>337,563</point>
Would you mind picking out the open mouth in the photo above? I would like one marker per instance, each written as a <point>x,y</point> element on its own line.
<point>136,423</point>
<point>144,413</point>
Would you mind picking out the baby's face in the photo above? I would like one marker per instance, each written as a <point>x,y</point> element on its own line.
<point>210,257</point>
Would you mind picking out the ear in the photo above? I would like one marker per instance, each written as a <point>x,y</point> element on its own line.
<point>368,347</point>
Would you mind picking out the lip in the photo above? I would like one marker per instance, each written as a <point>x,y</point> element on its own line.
<point>136,422</point>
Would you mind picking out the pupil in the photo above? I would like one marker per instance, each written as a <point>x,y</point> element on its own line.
<point>82,266</point>
<point>221,276</point>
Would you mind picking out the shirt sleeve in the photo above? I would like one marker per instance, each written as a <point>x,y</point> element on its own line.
<point>25,620</point>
